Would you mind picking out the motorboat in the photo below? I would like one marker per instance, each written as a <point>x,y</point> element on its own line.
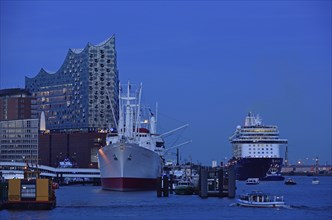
<point>260,200</point>
<point>315,180</point>
<point>184,187</point>
<point>252,181</point>
<point>290,181</point>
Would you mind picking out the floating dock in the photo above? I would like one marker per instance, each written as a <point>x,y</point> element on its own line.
<point>217,182</point>
<point>31,192</point>
<point>212,182</point>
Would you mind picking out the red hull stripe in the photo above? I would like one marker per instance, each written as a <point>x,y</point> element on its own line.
<point>128,184</point>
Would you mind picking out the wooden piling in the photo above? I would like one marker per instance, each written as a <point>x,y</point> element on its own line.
<point>171,182</point>
<point>165,186</point>
<point>220,182</point>
<point>203,192</point>
<point>159,186</point>
<point>231,182</point>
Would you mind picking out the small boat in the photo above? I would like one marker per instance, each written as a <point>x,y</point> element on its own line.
<point>290,181</point>
<point>315,180</point>
<point>184,187</point>
<point>55,185</point>
<point>252,181</point>
<point>260,200</point>
<point>273,176</point>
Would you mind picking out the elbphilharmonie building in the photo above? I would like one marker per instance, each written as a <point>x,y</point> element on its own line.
<point>83,94</point>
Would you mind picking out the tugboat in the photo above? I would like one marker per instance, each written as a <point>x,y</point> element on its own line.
<point>260,200</point>
<point>273,175</point>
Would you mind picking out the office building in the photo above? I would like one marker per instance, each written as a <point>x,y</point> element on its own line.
<point>19,140</point>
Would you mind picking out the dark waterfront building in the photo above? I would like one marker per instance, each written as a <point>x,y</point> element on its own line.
<point>15,104</point>
<point>80,96</point>
<point>80,148</point>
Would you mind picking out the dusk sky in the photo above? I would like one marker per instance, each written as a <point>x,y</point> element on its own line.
<point>206,63</point>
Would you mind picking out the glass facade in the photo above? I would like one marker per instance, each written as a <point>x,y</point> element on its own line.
<point>81,94</point>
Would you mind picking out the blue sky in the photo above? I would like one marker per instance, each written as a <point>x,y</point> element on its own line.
<point>206,63</point>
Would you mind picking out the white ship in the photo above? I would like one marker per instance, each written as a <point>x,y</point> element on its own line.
<point>132,158</point>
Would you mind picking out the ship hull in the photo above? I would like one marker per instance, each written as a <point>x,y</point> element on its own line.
<point>128,167</point>
<point>256,167</point>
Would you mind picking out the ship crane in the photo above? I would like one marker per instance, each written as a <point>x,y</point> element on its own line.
<point>179,145</point>
<point>174,130</point>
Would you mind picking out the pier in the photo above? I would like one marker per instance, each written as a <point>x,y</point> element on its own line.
<point>307,170</point>
<point>217,182</point>
<point>211,181</point>
<point>63,176</point>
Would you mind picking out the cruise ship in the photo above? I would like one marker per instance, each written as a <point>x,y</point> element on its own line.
<point>256,151</point>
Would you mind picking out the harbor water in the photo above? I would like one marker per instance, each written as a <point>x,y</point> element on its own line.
<point>304,201</point>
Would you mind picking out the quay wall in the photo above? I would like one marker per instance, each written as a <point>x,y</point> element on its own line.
<point>307,170</point>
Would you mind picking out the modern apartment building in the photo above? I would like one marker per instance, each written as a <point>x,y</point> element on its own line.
<point>83,94</point>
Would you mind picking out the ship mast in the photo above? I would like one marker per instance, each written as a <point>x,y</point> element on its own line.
<point>128,130</point>
<point>137,122</point>
<point>121,122</point>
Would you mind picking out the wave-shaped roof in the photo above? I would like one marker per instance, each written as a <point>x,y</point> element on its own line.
<point>78,51</point>
<point>75,51</point>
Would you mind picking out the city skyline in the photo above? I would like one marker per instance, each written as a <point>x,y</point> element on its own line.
<point>206,63</point>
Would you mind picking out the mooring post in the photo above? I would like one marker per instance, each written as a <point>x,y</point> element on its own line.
<point>159,187</point>
<point>165,186</point>
<point>220,182</point>
<point>171,183</point>
<point>231,182</point>
<point>203,192</point>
